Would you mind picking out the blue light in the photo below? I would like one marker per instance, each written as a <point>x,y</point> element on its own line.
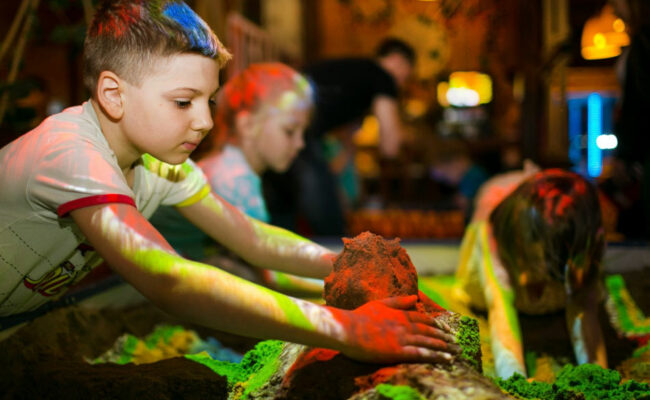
<point>575,130</point>
<point>594,129</point>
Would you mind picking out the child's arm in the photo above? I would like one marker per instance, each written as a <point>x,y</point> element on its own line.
<point>297,285</point>
<point>505,334</point>
<point>260,244</point>
<point>391,130</point>
<point>584,328</point>
<point>378,331</point>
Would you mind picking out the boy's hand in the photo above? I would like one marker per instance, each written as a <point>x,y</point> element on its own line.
<point>383,331</point>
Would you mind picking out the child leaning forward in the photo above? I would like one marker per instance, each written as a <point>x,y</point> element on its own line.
<point>535,245</point>
<point>91,175</point>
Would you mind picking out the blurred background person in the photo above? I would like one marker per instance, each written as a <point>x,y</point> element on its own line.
<point>452,164</point>
<point>347,90</point>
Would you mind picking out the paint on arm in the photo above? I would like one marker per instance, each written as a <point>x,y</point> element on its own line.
<point>379,331</point>
<point>260,244</point>
<point>584,327</point>
<point>505,333</point>
<point>198,291</point>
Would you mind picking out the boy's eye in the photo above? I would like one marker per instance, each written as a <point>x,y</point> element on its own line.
<point>182,103</point>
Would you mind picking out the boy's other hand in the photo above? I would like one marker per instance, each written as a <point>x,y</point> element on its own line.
<point>383,331</point>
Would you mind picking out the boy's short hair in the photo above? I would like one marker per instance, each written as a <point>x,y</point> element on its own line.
<point>557,213</point>
<point>393,45</point>
<point>126,36</point>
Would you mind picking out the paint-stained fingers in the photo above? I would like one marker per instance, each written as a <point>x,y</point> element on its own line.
<point>433,343</point>
<point>437,334</point>
<point>438,323</point>
<point>400,303</point>
<point>419,317</point>
<point>423,354</point>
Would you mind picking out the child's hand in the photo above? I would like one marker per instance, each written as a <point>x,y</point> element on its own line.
<point>382,331</point>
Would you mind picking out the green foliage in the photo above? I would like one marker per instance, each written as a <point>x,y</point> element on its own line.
<point>587,381</point>
<point>399,392</point>
<point>469,340</point>
<point>252,372</point>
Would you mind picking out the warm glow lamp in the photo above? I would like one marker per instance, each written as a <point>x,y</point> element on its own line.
<point>465,89</point>
<point>603,35</point>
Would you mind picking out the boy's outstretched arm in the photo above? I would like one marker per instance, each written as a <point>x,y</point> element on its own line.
<point>584,328</point>
<point>260,244</point>
<point>380,331</point>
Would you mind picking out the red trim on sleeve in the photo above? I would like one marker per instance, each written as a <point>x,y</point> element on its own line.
<point>93,201</point>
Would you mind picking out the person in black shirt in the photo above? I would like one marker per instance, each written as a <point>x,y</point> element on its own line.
<point>347,90</point>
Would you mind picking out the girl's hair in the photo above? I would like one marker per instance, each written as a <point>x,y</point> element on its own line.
<point>550,227</point>
<point>260,85</point>
<point>127,36</point>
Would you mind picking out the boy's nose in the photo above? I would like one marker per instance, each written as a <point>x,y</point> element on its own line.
<point>203,122</point>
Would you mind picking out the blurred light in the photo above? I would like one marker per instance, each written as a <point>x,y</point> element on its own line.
<point>465,89</point>
<point>618,25</point>
<point>415,108</point>
<point>607,142</point>
<point>603,35</point>
<point>462,97</point>
<point>594,130</point>
<point>368,134</point>
<point>441,92</point>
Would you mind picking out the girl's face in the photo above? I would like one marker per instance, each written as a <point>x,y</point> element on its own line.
<point>278,137</point>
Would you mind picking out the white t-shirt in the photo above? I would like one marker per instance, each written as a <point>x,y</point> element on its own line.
<point>65,164</point>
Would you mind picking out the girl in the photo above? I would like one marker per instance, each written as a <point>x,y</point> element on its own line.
<point>535,245</point>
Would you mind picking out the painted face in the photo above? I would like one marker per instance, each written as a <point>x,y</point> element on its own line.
<point>169,113</point>
<point>280,137</point>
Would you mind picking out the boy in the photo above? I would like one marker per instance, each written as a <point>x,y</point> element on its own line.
<point>88,177</point>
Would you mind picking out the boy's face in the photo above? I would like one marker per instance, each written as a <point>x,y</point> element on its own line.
<point>170,112</point>
<point>280,136</point>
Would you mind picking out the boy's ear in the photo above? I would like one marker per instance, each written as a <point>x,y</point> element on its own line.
<point>109,94</point>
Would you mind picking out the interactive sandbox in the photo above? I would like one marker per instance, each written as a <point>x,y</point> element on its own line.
<point>371,268</point>
<point>81,353</point>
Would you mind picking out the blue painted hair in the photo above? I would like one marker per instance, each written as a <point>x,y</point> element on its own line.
<point>126,37</point>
